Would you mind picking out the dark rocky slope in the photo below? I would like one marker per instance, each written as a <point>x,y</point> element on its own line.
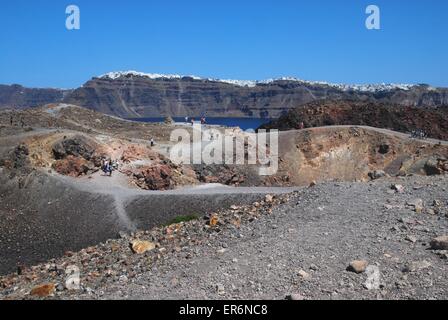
<point>395,117</point>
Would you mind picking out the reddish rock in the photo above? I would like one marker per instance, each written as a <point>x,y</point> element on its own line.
<point>72,166</point>
<point>157,177</point>
<point>135,152</point>
<point>43,290</point>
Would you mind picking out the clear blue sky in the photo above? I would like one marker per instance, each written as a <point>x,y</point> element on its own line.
<point>244,39</point>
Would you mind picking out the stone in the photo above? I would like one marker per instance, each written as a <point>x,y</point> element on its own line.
<point>357,266</point>
<point>295,297</point>
<point>417,204</point>
<point>220,289</point>
<point>313,184</point>
<point>89,291</point>
<point>304,275</point>
<point>411,239</point>
<point>416,266</point>
<point>314,267</point>
<point>44,290</point>
<point>398,188</point>
<point>214,220</point>
<point>269,198</point>
<point>60,287</point>
<point>158,177</point>
<point>72,166</point>
<point>140,247</point>
<point>440,243</point>
<point>373,281</point>
<point>432,167</point>
<point>377,174</point>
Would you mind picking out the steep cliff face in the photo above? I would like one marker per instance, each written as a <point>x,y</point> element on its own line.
<point>18,97</point>
<point>132,95</point>
<point>139,95</point>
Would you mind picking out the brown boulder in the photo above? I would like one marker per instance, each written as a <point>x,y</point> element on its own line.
<point>158,177</point>
<point>73,166</point>
<point>44,290</point>
<point>140,247</point>
<point>357,266</point>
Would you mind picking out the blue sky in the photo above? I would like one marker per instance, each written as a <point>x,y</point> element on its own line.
<point>251,39</point>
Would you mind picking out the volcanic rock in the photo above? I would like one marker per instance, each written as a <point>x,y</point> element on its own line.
<point>43,290</point>
<point>440,243</point>
<point>141,247</point>
<point>357,266</point>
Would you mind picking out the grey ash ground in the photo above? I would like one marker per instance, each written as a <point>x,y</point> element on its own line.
<point>299,244</point>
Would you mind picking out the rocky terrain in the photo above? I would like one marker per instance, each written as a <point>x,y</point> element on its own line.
<point>380,115</point>
<point>351,153</point>
<point>134,95</point>
<point>380,240</point>
<point>55,197</point>
<point>345,198</point>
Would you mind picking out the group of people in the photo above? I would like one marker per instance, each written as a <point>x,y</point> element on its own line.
<point>108,166</point>
<point>419,134</point>
<point>203,120</point>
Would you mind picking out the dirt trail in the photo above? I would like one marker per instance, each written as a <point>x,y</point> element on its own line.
<point>380,130</point>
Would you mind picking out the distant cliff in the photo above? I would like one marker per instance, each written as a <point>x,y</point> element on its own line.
<point>18,97</point>
<point>133,94</point>
<point>138,95</point>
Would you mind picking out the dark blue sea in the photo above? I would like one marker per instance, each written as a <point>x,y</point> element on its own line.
<point>243,123</point>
